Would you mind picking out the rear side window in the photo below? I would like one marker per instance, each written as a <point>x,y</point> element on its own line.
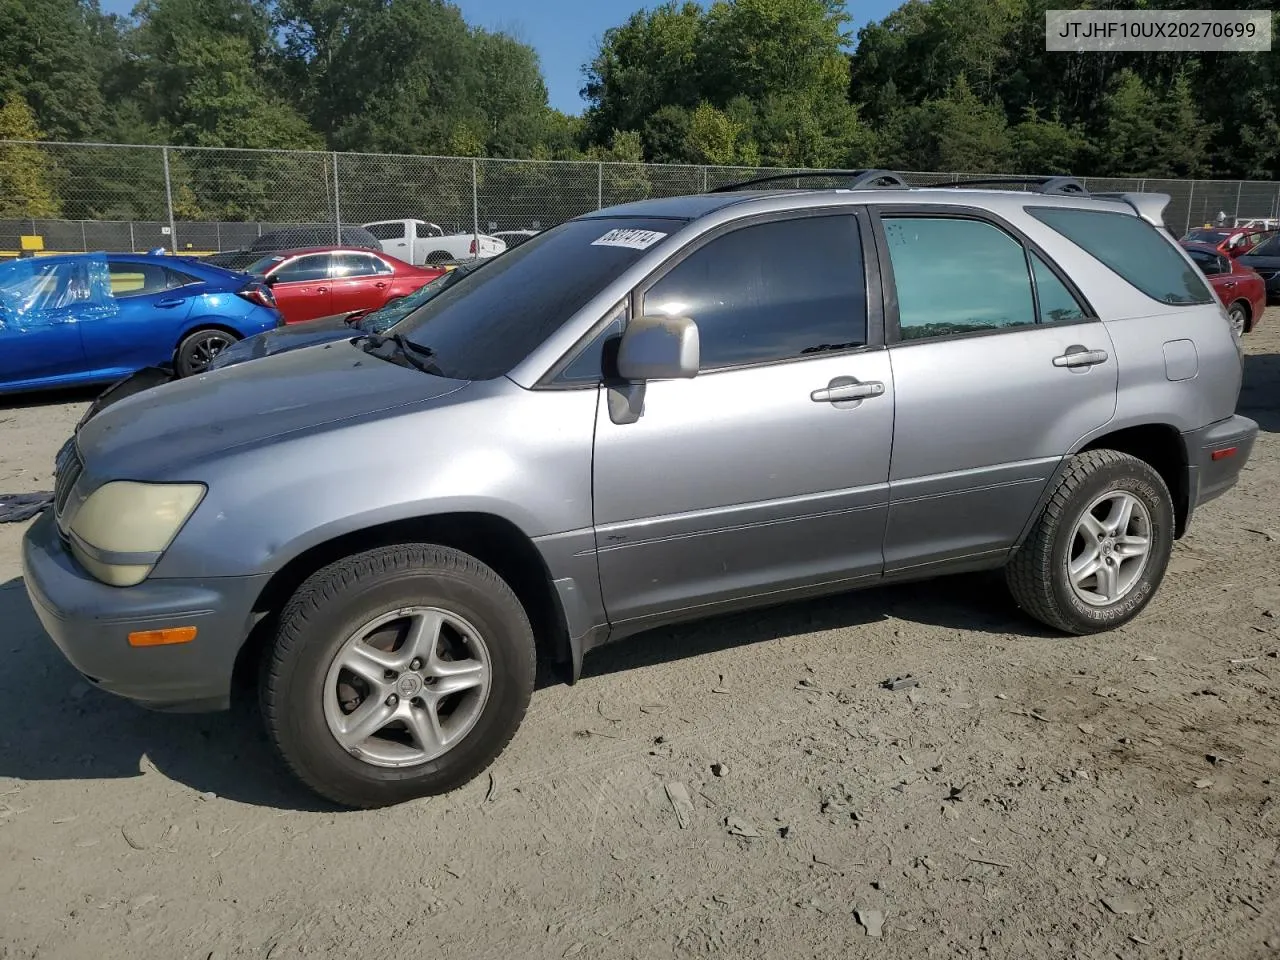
<point>137,279</point>
<point>773,291</point>
<point>957,276</point>
<point>426,231</point>
<point>1131,248</point>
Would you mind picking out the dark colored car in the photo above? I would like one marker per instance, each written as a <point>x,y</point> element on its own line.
<point>93,318</point>
<point>1265,261</point>
<point>319,281</point>
<point>291,238</point>
<point>1240,289</point>
<point>1230,241</point>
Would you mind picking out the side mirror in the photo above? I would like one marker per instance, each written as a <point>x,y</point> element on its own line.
<point>271,280</point>
<point>659,348</point>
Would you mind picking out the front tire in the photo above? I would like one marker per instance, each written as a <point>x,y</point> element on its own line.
<point>398,673</point>
<point>1099,550</point>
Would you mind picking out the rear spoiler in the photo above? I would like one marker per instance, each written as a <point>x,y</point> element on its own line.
<point>1149,206</point>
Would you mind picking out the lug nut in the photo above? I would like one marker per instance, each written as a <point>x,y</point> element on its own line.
<point>416,665</point>
<point>392,700</point>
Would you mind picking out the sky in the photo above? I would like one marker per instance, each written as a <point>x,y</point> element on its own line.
<point>566,33</point>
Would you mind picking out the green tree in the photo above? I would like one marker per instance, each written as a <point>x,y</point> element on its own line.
<point>1130,129</point>
<point>957,133</point>
<point>26,171</point>
<point>1046,146</point>
<point>48,54</point>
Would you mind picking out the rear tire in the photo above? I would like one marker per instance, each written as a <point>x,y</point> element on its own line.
<point>439,256</point>
<point>1099,550</point>
<point>450,619</point>
<point>198,348</point>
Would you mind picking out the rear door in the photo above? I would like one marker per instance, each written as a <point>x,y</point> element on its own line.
<point>302,287</point>
<point>999,368</point>
<point>361,281</point>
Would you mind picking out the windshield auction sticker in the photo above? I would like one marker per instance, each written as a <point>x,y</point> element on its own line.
<point>1120,31</point>
<point>632,239</point>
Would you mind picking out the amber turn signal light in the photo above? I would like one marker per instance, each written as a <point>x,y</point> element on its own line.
<point>162,638</point>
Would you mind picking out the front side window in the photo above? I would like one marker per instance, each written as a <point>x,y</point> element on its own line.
<point>1132,249</point>
<point>956,276</point>
<point>772,291</point>
<point>304,269</point>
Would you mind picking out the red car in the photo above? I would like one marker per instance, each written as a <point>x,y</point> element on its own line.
<point>1242,291</point>
<point>321,281</point>
<point>1230,241</point>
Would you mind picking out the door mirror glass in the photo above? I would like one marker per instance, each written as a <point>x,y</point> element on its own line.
<point>659,348</point>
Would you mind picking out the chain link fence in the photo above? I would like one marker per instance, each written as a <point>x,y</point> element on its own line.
<point>82,197</point>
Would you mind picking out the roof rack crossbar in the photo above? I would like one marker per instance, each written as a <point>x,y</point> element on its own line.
<point>1053,185</point>
<point>858,179</point>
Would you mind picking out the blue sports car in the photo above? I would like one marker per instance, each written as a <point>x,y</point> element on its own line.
<point>94,318</point>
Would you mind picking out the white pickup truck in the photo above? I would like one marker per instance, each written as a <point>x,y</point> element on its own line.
<point>419,242</point>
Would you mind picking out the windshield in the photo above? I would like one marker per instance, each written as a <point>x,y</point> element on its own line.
<point>485,324</point>
<point>384,318</point>
<point>1206,236</point>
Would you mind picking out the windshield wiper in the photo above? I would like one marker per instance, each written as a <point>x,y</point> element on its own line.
<point>417,356</point>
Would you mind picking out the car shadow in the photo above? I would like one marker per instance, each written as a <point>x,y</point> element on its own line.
<point>58,727</point>
<point>1260,392</point>
<point>49,398</point>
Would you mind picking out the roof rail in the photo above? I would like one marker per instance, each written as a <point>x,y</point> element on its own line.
<point>1054,185</point>
<point>858,179</point>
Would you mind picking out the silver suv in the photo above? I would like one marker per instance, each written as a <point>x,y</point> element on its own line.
<point>649,414</point>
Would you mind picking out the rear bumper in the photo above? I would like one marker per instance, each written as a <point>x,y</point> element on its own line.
<point>1215,456</point>
<point>90,623</point>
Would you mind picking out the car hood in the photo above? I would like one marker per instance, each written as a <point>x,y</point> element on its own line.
<point>162,432</point>
<point>291,336</point>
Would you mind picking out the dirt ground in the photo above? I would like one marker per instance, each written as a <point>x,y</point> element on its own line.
<point>1117,796</point>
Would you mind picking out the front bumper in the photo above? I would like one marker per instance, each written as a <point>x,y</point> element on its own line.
<point>1207,477</point>
<point>90,623</point>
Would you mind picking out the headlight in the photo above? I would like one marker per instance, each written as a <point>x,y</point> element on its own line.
<point>122,529</point>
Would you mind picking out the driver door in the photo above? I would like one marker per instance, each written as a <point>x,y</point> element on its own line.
<point>748,481</point>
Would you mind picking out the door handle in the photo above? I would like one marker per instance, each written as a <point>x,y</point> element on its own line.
<point>1229,284</point>
<point>380,285</point>
<point>165,304</point>
<point>842,389</point>
<point>1077,356</point>
<point>322,289</point>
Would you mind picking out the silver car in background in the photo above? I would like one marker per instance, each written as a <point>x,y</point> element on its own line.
<point>650,414</point>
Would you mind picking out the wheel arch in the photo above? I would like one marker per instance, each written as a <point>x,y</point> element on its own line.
<point>1161,446</point>
<point>204,323</point>
<point>491,539</point>
<point>1248,311</point>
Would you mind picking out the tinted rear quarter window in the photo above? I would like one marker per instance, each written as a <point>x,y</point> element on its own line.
<point>1131,248</point>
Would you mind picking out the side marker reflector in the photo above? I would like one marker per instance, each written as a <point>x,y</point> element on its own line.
<point>162,638</point>
<point>1222,454</point>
